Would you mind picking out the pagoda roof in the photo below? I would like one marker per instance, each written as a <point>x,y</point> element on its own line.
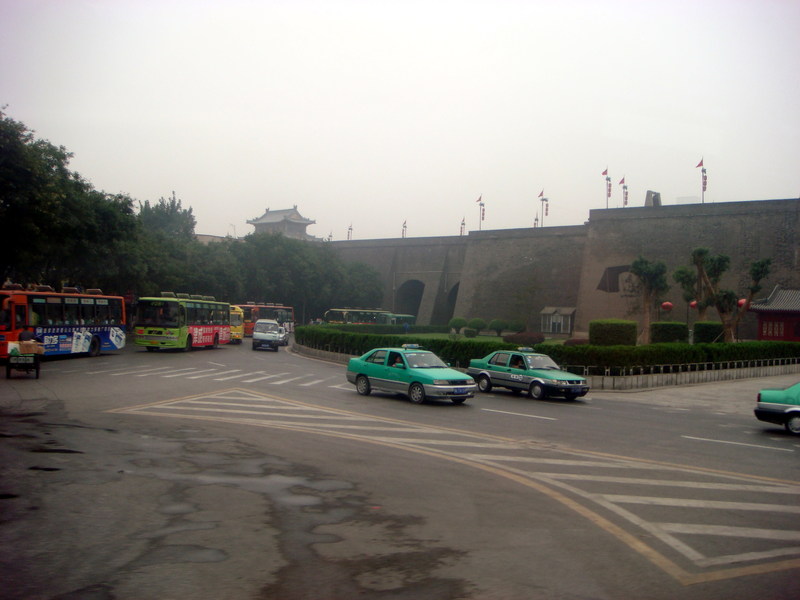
<point>277,216</point>
<point>780,300</point>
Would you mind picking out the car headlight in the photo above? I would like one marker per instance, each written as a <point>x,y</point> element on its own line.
<point>440,382</point>
<point>551,381</point>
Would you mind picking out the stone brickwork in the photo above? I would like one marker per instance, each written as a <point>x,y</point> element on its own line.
<point>515,273</point>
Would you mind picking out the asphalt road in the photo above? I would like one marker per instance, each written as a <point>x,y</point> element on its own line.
<point>237,474</point>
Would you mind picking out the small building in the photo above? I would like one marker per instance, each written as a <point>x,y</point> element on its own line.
<point>558,319</point>
<point>288,221</point>
<point>779,315</point>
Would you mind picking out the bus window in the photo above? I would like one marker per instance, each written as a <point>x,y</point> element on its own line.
<point>87,311</point>
<point>72,311</point>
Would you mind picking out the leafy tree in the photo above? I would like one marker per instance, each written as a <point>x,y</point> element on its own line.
<point>651,284</point>
<point>498,325</point>
<point>457,323</point>
<point>477,324</point>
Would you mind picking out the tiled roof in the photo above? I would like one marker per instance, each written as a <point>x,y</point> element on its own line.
<point>780,300</point>
<point>276,216</point>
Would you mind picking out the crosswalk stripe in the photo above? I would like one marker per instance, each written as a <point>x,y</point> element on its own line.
<point>212,374</point>
<point>182,373</point>
<point>263,378</point>
<point>691,503</point>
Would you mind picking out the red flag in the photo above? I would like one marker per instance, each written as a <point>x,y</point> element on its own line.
<point>541,194</point>
<point>622,181</point>
<point>605,172</point>
<point>700,164</point>
<point>479,198</point>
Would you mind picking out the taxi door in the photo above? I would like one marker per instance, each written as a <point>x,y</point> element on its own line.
<point>518,376</point>
<point>398,377</point>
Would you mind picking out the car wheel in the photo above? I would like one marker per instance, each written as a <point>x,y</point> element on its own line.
<point>484,384</point>
<point>362,385</point>
<point>416,393</point>
<point>536,391</point>
<point>793,424</point>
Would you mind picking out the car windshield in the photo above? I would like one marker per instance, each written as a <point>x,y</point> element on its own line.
<point>541,362</point>
<point>424,360</point>
<point>266,327</point>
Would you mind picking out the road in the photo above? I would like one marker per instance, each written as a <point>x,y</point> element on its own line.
<point>235,474</point>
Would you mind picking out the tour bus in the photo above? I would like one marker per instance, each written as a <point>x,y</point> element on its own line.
<point>237,324</point>
<point>181,321</point>
<point>276,312</point>
<point>66,322</point>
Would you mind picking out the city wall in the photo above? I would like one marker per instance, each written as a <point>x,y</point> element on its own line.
<point>516,273</point>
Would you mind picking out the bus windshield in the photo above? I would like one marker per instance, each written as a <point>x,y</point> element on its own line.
<point>158,313</point>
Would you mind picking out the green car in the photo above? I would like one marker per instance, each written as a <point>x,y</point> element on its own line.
<point>524,370</point>
<point>781,407</point>
<point>410,371</point>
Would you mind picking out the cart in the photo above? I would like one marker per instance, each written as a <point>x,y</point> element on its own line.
<point>23,362</point>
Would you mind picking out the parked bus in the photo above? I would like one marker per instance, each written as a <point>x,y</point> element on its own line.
<point>182,321</point>
<point>237,324</point>
<point>66,322</point>
<point>356,316</point>
<point>277,312</point>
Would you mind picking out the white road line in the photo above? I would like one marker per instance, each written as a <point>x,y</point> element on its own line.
<point>429,442</point>
<point>232,376</point>
<point>145,371</point>
<point>722,530</point>
<point>689,503</point>
<point>699,439</point>
<point>287,380</point>
<point>736,487</point>
<point>212,374</point>
<point>316,381</point>
<point>504,412</point>
<point>182,372</point>
<point>265,377</point>
<point>342,386</point>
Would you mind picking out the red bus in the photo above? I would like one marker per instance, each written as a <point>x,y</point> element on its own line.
<point>181,321</point>
<point>253,312</point>
<point>66,322</point>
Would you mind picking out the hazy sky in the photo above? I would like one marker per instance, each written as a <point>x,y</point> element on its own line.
<point>373,113</point>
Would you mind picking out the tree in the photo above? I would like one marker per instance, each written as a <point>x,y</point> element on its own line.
<point>498,325</point>
<point>651,284</point>
<point>477,324</point>
<point>457,323</point>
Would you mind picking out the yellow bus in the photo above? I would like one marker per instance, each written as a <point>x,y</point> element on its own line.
<point>237,324</point>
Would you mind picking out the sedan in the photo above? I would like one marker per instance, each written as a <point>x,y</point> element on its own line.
<point>780,406</point>
<point>410,371</point>
<point>524,370</point>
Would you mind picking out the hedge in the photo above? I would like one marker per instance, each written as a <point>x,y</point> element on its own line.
<point>612,332</point>
<point>459,352</point>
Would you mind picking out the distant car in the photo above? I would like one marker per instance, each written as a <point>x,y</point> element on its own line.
<point>524,370</point>
<point>267,334</point>
<point>410,371</point>
<point>780,406</point>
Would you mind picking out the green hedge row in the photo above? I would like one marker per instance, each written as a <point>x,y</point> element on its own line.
<point>389,329</point>
<point>459,352</point>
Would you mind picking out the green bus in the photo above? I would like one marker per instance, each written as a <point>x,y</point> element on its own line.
<point>181,321</point>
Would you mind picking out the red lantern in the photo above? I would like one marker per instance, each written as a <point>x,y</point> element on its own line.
<point>741,302</point>
<point>693,304</point>
<point>667,306</point>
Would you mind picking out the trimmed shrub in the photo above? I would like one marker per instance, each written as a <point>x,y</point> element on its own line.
<point>576,342</point>
<point>457,323</point>
<point>497,325</point>
<point>706,332</point>
<point>477,324</point>
<point>470,333</point>
<point>668,331</point>
<point>524,338</point>
<point>612,332</point>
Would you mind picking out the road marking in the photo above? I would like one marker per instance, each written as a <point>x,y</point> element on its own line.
<point>265,377</point>
<point>211,374</point>
<point>233,376</point>
<point>141,372</point>
<point>314,382</point>
<point>505,412</point>
<point>699,439</point>
<point>181,372</point>
<point>691,503</point>
<point>281,382</point>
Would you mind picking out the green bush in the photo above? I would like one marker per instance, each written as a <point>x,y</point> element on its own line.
<point>516,326</point>
<point>470,333</point>
<point>612,332</point>
<point>477,324</point>
<point>457,323</point>
<point>498,325</point>
<point>706,332</point>
<point>524,338</point>
<point>668,331</point>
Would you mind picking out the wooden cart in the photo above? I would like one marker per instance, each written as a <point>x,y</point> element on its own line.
<point>24,362</point>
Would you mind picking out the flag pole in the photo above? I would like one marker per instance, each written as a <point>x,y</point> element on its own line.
<point>703,181</point>
<point>608,185</point>
<point>481,211</point>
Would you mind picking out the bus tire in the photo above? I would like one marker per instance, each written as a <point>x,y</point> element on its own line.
<point>188,345</point>
<point>215,344</point>
<point>94,346</point>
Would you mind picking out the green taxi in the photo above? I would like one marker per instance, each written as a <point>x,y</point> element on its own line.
<point>410,371</point>
<point>780,406</point>
<point>524,370</point>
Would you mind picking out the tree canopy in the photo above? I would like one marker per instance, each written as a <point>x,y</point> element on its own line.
<point>61,231</point>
